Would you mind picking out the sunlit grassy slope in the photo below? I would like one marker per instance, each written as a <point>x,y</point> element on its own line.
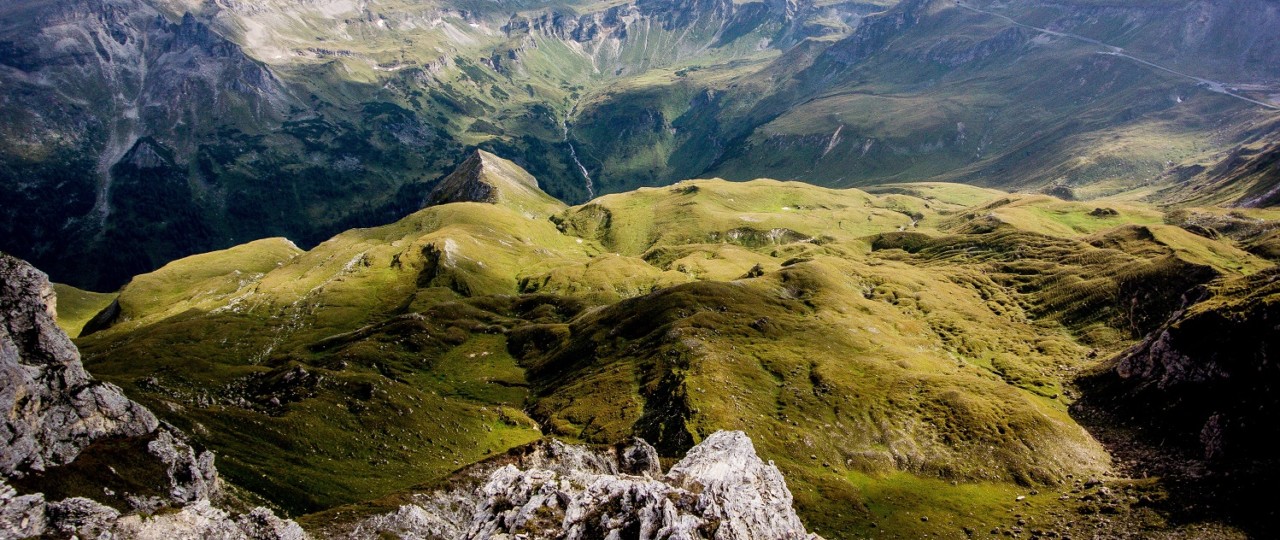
<point>903,353</point>
<point>76,307</point>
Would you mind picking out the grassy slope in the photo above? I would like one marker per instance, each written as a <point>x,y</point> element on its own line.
<point>77,306</point>
<point>892,370</point>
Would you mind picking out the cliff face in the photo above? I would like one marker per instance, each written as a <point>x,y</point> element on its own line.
<point>65,435</point>
<point>54,409</point>
<point>1211,372</point>
<point>720,490</point>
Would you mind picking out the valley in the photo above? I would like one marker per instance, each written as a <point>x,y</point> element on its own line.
<point>207,125</point>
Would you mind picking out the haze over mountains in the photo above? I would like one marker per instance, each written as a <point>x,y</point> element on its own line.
<point>168,128</point>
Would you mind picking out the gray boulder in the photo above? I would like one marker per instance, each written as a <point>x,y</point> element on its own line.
<point>720,491</point>
<point>53,411</point>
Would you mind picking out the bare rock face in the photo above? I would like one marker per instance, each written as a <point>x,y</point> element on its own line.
<point>720,491</point>
<point>53,409</point>
<point>1210,372</point>
<point>21,516</point>
<point>465,184</point>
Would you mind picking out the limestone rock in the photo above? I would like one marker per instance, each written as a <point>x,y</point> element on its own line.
<point>21,516</point>
<point>191,477</point>
<point>720,491</point>
<point>77,517</point>
<point>53,408</point>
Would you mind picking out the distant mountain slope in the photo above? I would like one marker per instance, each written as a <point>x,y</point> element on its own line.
<point>171,127</point>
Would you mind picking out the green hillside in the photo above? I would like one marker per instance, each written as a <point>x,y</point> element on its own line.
<point>76,307</point>
<point>905,354</point>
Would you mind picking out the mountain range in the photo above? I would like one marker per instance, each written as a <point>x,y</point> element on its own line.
<point>925,358</point>
<point>170,127</point>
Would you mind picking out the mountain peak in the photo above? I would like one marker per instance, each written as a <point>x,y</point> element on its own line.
<point>487,178</point>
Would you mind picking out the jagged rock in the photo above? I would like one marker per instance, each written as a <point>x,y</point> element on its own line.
<point>30,515</point>
<point>192,477</point>
<point>55,410</point>
<point>753,497</point>
<point>53,407</point>
<point>721,490</point>
<point>80,517</point>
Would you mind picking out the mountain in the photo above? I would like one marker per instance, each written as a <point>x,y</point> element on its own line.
<point>170,127</point>
<point>924,358</point>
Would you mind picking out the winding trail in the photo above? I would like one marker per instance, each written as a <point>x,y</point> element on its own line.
<point>1112,50</point>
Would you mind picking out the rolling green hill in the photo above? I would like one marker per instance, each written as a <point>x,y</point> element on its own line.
<point>909,357</point>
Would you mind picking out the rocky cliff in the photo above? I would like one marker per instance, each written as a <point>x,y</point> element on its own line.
<point>106,457</point>
<point>721,490</point>
<point>1211,372</point>
<point>1195,402</point>
<point>54,409</point>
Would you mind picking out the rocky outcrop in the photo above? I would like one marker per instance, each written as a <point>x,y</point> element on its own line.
<point>66,432</point>
<point>1211,371</point>
<point>23,516</point>
<point>486,178</point>
<point>53,408</point>
<point>721,490</point>
<point>467,183</point>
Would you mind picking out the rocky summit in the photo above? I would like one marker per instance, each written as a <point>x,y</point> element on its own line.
<point>721,490</point>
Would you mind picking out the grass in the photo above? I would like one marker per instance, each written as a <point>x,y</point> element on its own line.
<point>893,370</point>
<point>77,306</point>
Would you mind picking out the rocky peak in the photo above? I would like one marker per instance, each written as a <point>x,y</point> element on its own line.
<point>147,154</point>
<point>721,490</point>
<point>752,496</point>
<point>486,178</point>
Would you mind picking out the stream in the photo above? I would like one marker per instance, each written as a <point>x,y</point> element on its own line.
<point>573,153</point>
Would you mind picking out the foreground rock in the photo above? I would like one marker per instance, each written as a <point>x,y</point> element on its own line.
<point>53,408</point>
<point>66,434</point>
<point>721,490</point>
